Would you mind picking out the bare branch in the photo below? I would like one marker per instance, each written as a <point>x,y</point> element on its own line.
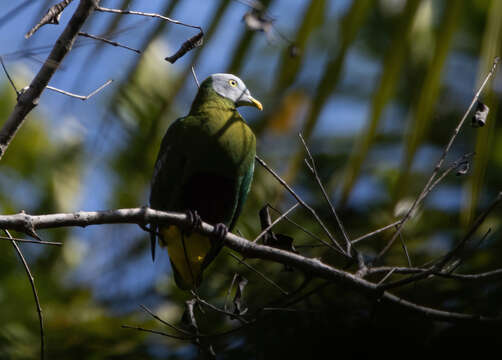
<point>8,76</point>
<point>31,241</point>
<point>269,227</point>
<point>453,166</point>
<point>313,267</point>
<point>151,313</point>
<point>439,266</point>
<point>195,76</point>
<point>391,271</point>
<point>461,257</point>
<point>373,233</point>
<point>405,249</point>
<point>217,309</point>
<point>313,169</point>
<point>34,290</point>
<point>188,45</point>
<point>338,247</point>
<point>29,98</point>
<point>51,17</point>
<point>266,278</point>
<point>156,332</point>
<point>81,97</point>
<point>158,16</point>
<point>477,223</point>
<point>484,276</point>
<point>303,229</point>
<point>440,162</point>
<point>192,43</point>
<point>109,42</point>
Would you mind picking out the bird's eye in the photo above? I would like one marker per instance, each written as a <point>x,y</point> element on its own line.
<point>232,82</point>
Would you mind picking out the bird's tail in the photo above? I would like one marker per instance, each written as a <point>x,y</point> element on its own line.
<point>187,253</point>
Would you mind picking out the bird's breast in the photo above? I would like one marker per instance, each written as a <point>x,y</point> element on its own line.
<point>226,146</point>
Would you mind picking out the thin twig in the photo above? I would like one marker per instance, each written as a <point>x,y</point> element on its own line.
<point>405,249</point>
<point>313,169</point>
<point>475,226</point>
<point>81,97</point>
<point>51,17</point>
<point>192,337</point>
<point>386,276</point>
<point>35,293</point>
<point>268,228</point>
<point>439,266</point>
<point>453,166</point>
<point>303,229</point>
<point>192,43</point>
<point>8,76</point>
<point>195,76</point>
<point>488,275</point>
<point>217,309</point>
<point>109,42</point>
<point>31,241</point>
<point>461,258</point>
<point>158,16</point>
<point>151,313</point>
<point>266,278</point>
<point>373,233</point>
<point>188,45</point>
<point>446,150</point>
<point>157,332</point>
<point>304,204</point>
<point>229,291</point>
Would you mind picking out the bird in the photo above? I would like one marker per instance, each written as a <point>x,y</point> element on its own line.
<point>204,168</point>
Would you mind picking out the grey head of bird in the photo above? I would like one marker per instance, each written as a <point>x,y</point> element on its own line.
<point>231,87</point>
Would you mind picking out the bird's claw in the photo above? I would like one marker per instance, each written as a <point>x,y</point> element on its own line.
<point>194,220</point>
<point>220,231</point>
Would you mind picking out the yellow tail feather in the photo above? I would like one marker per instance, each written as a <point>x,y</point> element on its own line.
<point>187,254</point>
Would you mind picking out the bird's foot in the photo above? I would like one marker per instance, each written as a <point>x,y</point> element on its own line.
<point>220,231</point>
<point>194,220</point>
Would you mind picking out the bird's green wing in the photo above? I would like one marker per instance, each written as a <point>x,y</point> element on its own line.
<point>245,185</point>
<point>168,174</point>
<point>168,182</point>
<point>243,193</point>
<point>169,168</point>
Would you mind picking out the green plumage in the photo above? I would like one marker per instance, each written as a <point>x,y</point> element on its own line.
<point>205,164</point>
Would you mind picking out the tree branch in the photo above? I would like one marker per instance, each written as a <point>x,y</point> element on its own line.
<point>81,97</point>
<point>109,42</point>
<point>28,99</point>
<point>33,289</point>
<point>51,17</point>
<point>440,162</point>
<point>314,267</point>
<point>337,247</point>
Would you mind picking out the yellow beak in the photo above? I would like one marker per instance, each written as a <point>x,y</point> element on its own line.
<point>256,103</point>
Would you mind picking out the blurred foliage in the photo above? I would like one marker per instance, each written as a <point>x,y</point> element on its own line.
<point>376,88</point>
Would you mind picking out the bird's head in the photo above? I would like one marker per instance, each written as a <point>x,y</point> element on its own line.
<point>232,88</point>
